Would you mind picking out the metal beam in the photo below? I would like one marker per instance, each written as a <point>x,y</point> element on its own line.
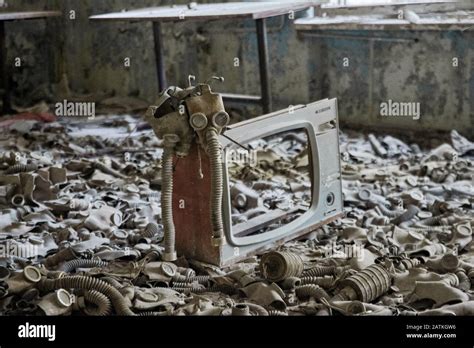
<point>159,56</point>
<point>264,65</point>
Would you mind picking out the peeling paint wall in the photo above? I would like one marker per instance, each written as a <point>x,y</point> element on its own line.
<point>418,70</point>
<point>303,69</point>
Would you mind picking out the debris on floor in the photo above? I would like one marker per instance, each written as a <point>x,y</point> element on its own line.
<point>80,232</point>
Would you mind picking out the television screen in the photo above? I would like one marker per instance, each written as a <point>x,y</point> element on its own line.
<point>282,174</point>
<point>270,183</point>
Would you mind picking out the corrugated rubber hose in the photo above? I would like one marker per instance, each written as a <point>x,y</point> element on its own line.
<point>214,153</point>
<point>311,290</point>
<point>88,283</point>
<point>390,213</point>
<point>71,266</point>
<point>102,303</point>
<point>277,313</point>
<point>167,202</point>
<point>409,214</point>
<point>320,271</point>
<point>324,282</point>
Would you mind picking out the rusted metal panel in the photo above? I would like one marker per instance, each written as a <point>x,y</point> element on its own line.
<point>191,202</point>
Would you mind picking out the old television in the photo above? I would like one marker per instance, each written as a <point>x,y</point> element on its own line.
<point>282,180</point>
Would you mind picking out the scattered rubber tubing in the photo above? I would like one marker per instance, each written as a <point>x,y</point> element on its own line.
<point>167,199</point>
<point>324,282</point>
<point>183,285</point>
<point>410,263</point>
<point>204,279</point>
<point>277,313</point>
<point>89,283</point>
<point>409,214</point>
<point>217,182</point>
<point>431,221</point>
<point>189,289</point>
<point>321,271</point>
<point>112,281</point>
<point>21,168</point>
<point>180,278</point>
<point>312,290</point>
<point>460,309</point>
<point>71,266</point>
<point>102,303</point>
<point>152,314</point>
<point>151,230</point>
<point>390,213</point>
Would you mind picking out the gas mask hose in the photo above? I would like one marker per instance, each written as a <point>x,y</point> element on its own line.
<point>88,283</point>
<point>170,141</point>
<point>214,152</point>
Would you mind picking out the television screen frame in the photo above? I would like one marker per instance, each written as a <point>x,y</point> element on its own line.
<point>320,120</point>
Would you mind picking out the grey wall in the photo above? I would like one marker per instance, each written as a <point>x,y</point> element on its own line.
<point>303,68</point>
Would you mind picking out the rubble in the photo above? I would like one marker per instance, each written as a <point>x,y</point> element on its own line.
<point>81,229</point>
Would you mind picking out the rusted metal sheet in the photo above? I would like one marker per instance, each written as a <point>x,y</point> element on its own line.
<point>191,201</point>
<point>229,10</point>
